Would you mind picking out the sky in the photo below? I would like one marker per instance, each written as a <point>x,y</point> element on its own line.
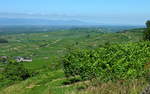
<point>132,12</point>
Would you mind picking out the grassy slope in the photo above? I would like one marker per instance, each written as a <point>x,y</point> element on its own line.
<point>52,83</point>
<point>44,52</point>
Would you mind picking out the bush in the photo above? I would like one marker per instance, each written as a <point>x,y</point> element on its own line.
<point>15,71</point>
<point>122,61</point>
<point>3,41</point>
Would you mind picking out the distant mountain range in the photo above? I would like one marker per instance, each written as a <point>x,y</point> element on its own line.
<point>20,21</point>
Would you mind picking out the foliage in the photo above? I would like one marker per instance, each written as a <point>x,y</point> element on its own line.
<point>148,24</point>
<point>54,43</point>
<point>120,61</point>
<point>147,31</point>
<point>147,34</point>
<point>46,49</point>
<point>13,71</point>
<point>3,41</point>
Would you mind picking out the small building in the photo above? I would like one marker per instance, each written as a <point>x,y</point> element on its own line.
<point>3,59</point>
<point>23,59</point>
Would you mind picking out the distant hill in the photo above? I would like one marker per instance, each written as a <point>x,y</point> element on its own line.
<point>20,21</point>
<point>133,30</point>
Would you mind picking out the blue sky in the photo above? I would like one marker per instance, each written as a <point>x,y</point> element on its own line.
<point>134,12</point>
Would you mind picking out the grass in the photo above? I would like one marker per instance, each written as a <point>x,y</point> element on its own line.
<point>47,49</point>
<point>119,87</point>
<point>35,84</point>
<point>53,85</point>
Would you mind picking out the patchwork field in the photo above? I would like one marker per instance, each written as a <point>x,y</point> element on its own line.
<point>48,49</point>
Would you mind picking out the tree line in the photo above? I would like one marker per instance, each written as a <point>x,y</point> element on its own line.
<point>3,41</point>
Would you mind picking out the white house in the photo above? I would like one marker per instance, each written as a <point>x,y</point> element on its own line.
<point>22,59</point>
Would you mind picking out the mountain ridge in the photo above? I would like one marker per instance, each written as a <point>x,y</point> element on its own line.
<point>28,21</point>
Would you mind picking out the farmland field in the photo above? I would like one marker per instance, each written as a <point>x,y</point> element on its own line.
<point>48,49</point>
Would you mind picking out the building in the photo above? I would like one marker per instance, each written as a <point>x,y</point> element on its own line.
<point>3,59</point>
<point>23,59</point>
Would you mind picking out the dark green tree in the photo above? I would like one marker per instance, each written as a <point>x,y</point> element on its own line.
<point>148,24</point>
<point>15,71</point>
<point>3,41</point>
<point>147,31</point>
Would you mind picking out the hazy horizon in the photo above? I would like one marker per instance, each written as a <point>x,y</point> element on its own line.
<point>117,12</point>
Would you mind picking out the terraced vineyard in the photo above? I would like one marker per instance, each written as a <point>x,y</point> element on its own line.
<point>93,60</point>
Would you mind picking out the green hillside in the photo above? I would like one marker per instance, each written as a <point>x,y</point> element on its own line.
<point>50,50</point>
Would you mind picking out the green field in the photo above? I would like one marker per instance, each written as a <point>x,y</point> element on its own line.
<point>47,49</point>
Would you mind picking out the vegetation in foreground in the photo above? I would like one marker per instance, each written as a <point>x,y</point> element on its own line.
<point>111,62</point>
<point>13,71</point>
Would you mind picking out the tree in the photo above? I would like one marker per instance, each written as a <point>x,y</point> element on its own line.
<point>148,24</point>
<point>147,31</point>
<point>3,41</point>
<point>15,71</point>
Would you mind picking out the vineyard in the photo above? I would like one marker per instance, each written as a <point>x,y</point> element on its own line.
<point>75,61</point>
<point>111,62</point>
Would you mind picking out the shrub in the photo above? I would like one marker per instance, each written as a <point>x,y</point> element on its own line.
<point>15,71</point>
<point>120,61</point>
<point>3,41</point>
